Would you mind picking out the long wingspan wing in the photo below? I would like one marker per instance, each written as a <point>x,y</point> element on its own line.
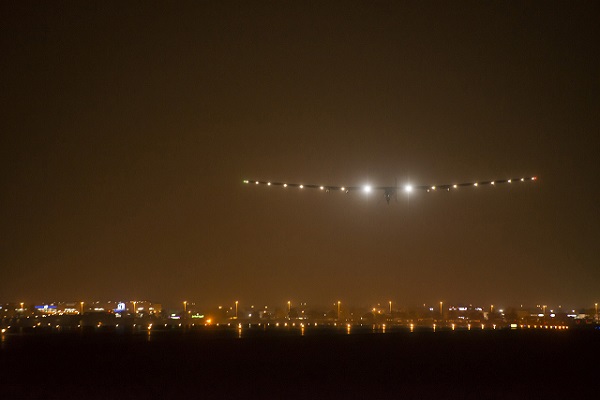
<point>388,189</point>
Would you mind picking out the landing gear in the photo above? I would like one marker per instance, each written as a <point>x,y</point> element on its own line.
<point>388,195</point>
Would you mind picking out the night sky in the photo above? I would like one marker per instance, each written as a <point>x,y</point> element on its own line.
<point>126,132</point>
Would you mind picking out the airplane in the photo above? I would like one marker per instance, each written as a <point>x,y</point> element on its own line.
<point>391,191</point>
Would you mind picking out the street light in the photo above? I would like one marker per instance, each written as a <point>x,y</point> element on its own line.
<point>236,309</point>
<point>596,305</point>
<point>185,308</point>
<point>338,304</point>
<point>289,306</point>
<point>390,307</point>
<point>81,303</point>
<point>441,309</point>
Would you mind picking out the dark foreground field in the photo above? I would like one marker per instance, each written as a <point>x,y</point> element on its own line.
<point>400,365</point>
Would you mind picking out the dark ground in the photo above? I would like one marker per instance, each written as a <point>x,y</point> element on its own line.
<point>325,364</point>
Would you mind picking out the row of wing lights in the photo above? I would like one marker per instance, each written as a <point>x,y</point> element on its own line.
<point>407,188</point>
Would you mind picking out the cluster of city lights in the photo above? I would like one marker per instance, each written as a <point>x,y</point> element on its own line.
<point>408,188</point>
<point>559,327</point>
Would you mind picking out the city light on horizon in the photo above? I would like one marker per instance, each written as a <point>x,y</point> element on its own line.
<point>107,314</point>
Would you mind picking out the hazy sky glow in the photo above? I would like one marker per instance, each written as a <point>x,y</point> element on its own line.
<point>127,132</point>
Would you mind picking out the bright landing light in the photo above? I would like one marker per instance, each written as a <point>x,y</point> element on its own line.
<point>408,188</point>
<point>367,189</point>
